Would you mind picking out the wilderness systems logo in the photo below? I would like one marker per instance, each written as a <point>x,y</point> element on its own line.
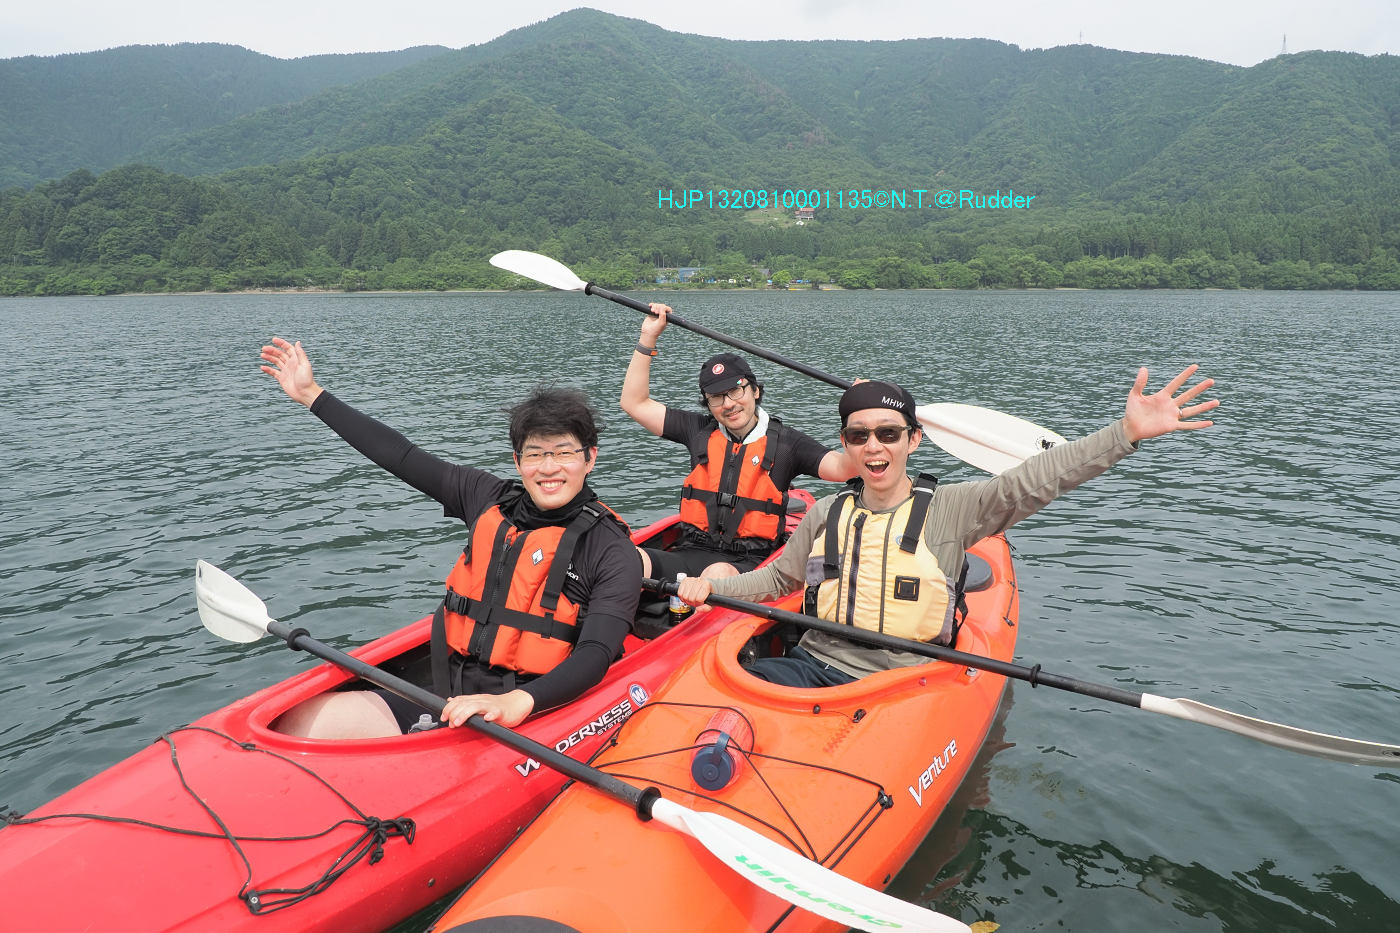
<point>609,720</point>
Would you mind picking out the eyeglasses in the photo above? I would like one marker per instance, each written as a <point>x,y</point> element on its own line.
<point>564,456</point>
<point>733,394</point>
<point>885,434</point>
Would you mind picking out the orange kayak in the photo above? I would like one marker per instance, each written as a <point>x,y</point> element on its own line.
<point>852,777</point>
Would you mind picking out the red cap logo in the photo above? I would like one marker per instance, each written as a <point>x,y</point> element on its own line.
<point>717,369</point>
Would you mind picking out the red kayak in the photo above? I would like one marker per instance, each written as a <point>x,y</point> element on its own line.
<point>227,824</point>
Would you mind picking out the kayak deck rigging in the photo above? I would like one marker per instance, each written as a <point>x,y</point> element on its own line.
<point>375,832</point>
<point>658,767</point>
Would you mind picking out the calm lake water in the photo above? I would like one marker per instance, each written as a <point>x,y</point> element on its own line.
<point>1253,566</point>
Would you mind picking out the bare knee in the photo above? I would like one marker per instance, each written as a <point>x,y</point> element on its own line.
<point>719,571</point>
<point>353,714</point>
<point>646,562</point>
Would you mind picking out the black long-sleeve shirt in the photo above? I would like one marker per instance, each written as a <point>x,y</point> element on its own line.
<point>605,574</point>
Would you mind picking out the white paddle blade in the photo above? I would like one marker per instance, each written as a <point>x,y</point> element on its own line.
<point>226,607</point>
<point>989,440</point>
<point>798,880</point>
<point>542,269</point>
<point>1318,744</point>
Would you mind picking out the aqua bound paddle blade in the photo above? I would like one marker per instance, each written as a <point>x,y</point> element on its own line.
<point>226,607</point>
<point>799,880</point>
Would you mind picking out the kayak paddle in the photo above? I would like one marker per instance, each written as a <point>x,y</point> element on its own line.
<point>1317,744</point>
<point>987,439</point>
<point>233,612</point>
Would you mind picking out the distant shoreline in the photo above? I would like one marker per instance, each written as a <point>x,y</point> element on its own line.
<point>302,290</point>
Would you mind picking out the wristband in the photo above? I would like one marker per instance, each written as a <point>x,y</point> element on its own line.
<point>645,350</point>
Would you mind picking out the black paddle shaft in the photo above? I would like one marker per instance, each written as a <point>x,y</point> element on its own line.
<point>702,330</point>
<point>638,798</point>
<point>1032,675</point>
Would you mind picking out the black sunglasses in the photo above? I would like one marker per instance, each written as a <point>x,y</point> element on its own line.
<point>885,434</point>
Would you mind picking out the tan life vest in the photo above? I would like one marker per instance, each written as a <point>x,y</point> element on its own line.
<point>875,571</point>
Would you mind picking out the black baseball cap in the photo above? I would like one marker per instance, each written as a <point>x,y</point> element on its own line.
<point>722,372</point>
<point>875,394</point>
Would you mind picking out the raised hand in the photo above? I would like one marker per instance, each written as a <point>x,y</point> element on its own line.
<point>653,326</point>
<point>1164,411</point>
<point>289,365</point>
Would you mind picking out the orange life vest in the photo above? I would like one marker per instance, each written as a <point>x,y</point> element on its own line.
<point>505,605</point>
<point>730,495</point>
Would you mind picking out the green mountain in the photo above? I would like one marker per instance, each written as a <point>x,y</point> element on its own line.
<point>98,110</point>
<point>569,137</point>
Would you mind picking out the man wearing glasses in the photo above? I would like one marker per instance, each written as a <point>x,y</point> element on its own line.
<point>743,461</point>
<point>837,552</point>
<point>545,591</point>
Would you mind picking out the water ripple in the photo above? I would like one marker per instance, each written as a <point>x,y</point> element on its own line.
<point>1253,566</point>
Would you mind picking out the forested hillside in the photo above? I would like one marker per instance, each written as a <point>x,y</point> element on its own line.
<point>98,110</point>
<point>580,136</point>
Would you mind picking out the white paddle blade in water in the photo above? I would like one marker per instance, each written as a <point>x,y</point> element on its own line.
<point>542,269</point>
<point>798,880</point>
<point>1317,744</point>
<point>988,439</point>
<point>226,607</point>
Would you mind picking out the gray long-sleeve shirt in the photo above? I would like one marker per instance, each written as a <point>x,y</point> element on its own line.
<point>959,515</point>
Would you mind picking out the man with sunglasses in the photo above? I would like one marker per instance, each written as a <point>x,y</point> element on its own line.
<point>743,462</point>
<point>545,591</point>
<point>910,588</point>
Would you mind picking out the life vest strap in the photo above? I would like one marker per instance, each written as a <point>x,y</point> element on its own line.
<point>554,583</point>
<point>831,558</point>
<point>438,651</point>
<point>918,513</point>
<point>729,500</point>
<point>448,666</point>
<point>959,603</point>
<point>499,617</point>
<point>694,537</point>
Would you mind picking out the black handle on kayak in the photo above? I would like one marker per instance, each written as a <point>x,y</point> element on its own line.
<point>1032,675</point>
<point>702,330</point>
<point>639,798</point>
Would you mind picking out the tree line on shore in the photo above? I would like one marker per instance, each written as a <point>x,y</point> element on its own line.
<point>138,229</point>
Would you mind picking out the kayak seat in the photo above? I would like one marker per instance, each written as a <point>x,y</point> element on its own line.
<point>979,574</point>
<point>653,618</point>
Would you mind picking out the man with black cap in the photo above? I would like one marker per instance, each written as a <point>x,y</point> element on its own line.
<point>743,461</point>
<point>915,594</point>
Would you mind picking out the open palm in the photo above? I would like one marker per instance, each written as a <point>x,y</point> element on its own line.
<point>289,365</point>
<point>1164,411</point>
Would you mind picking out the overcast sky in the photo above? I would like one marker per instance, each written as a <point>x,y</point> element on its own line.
<point>1242,32</point>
